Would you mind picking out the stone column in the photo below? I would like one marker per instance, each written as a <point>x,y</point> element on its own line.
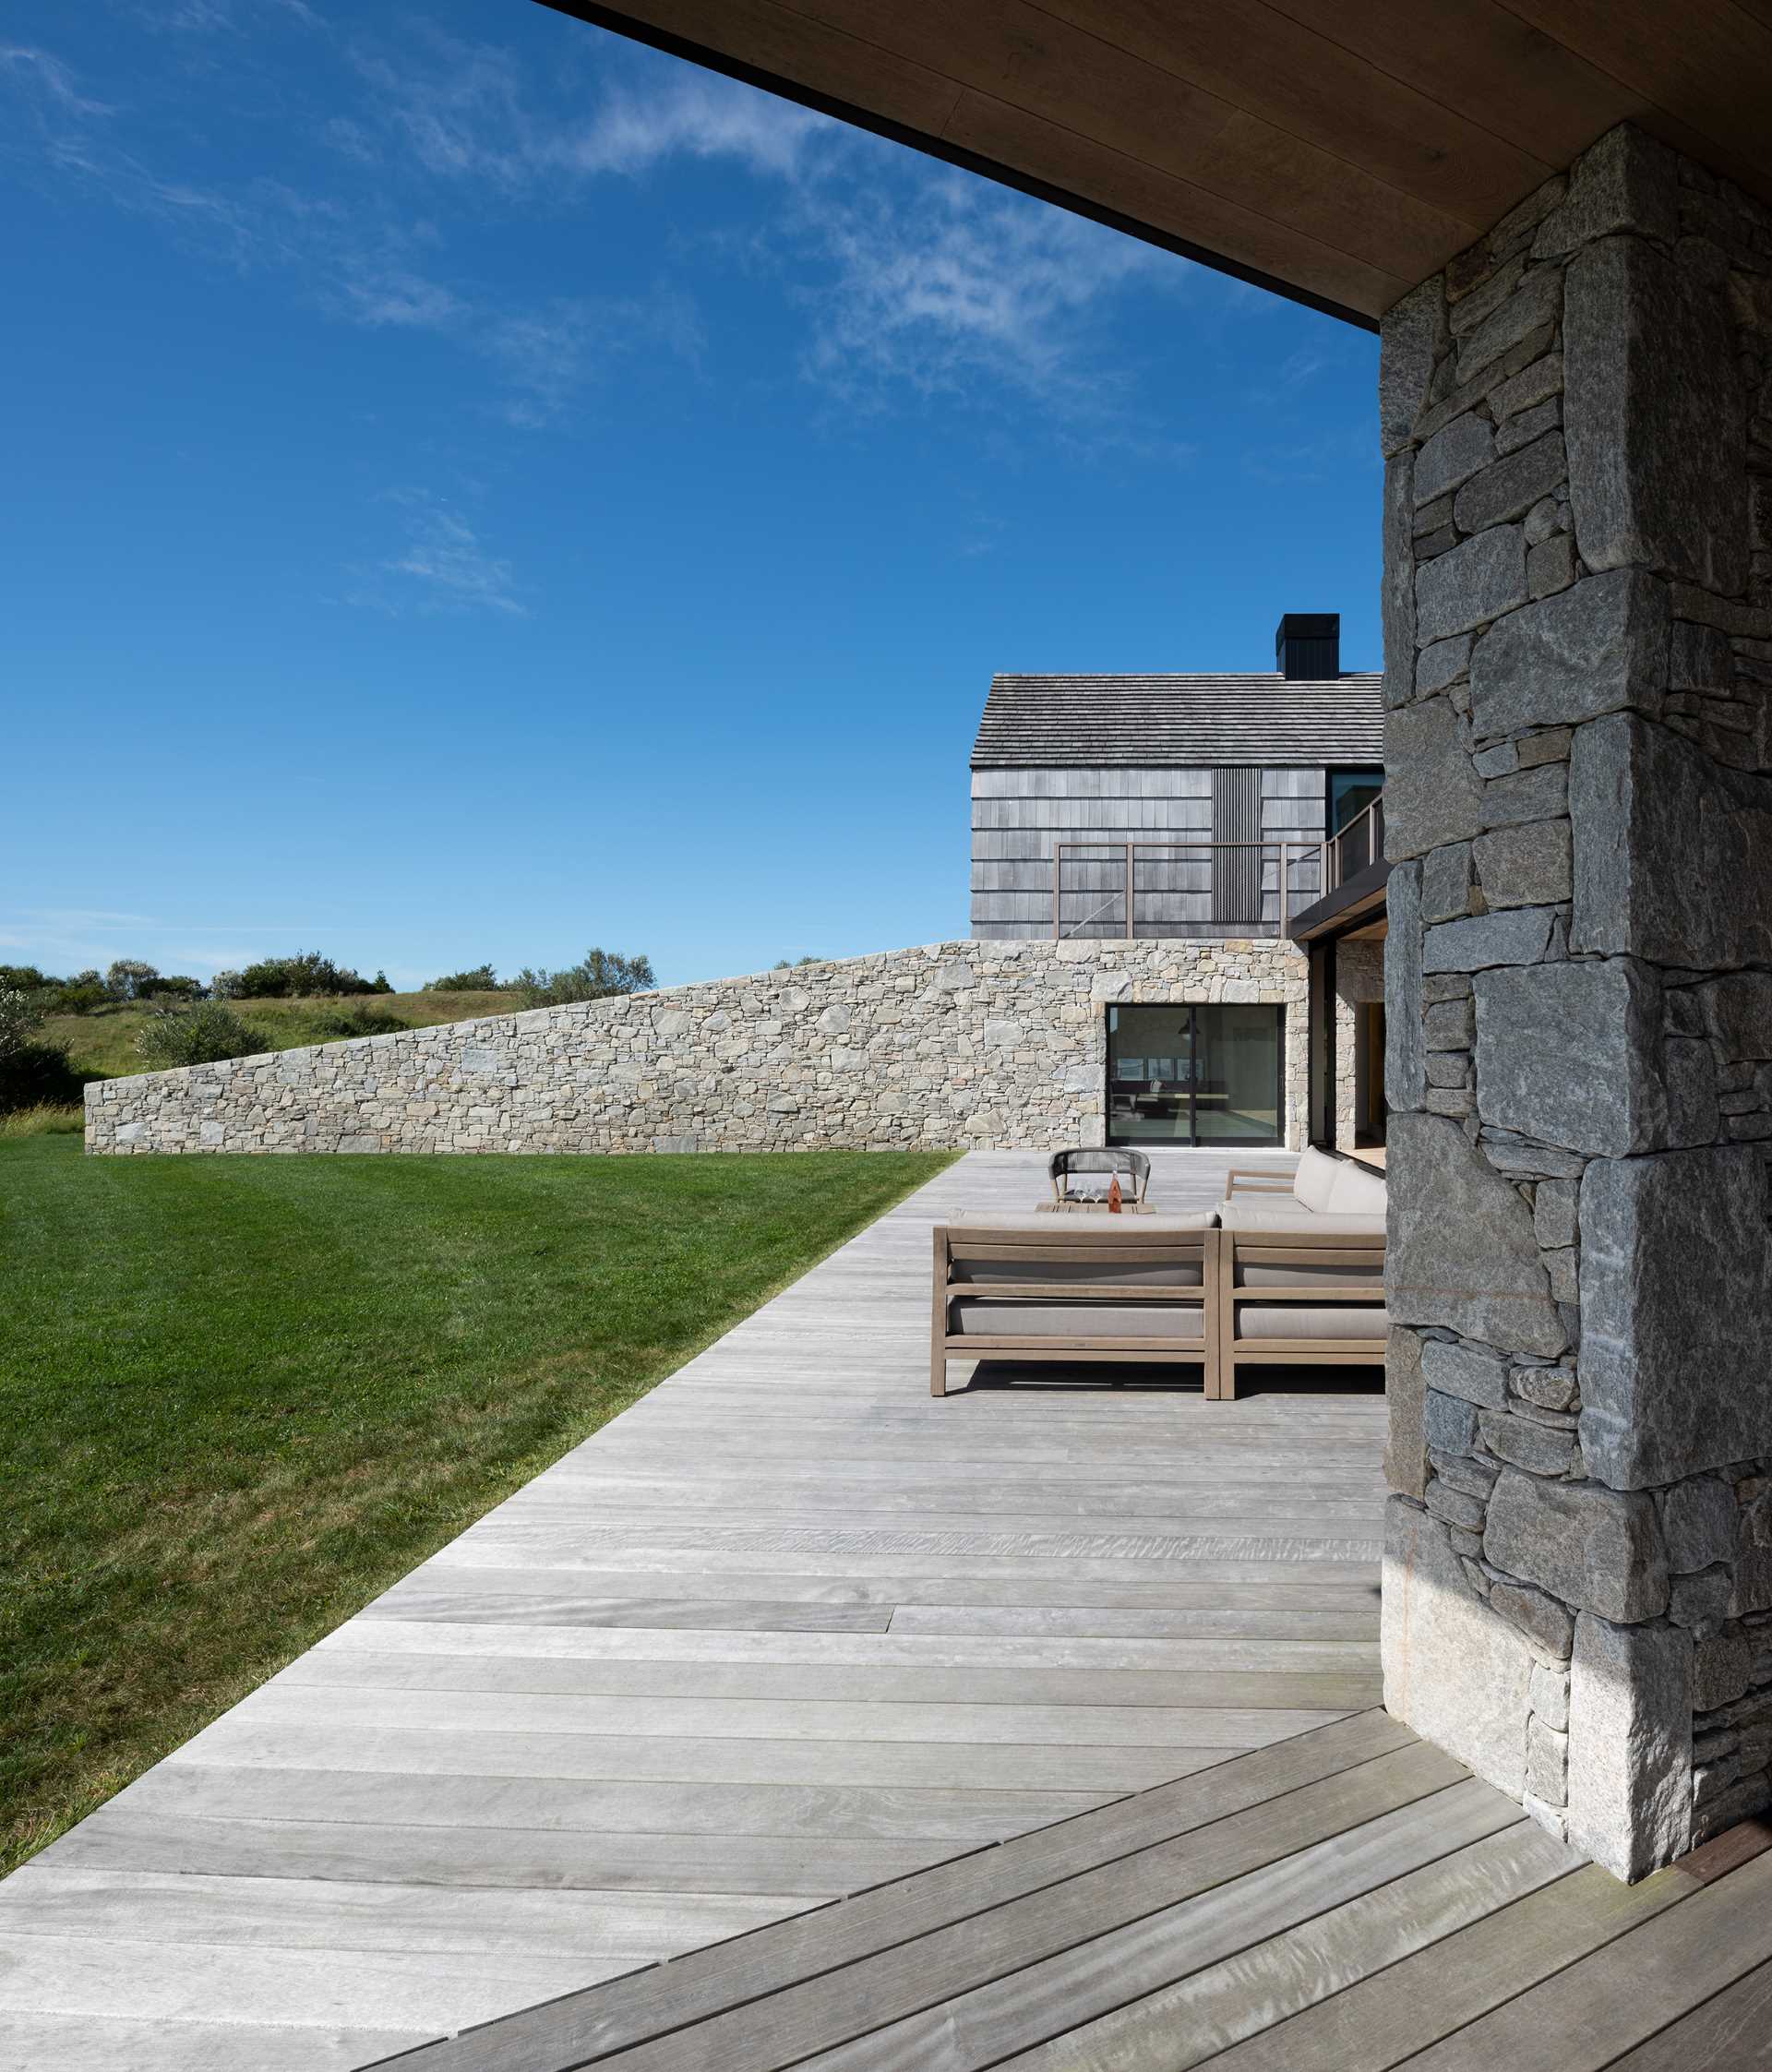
<point>1577,424</point>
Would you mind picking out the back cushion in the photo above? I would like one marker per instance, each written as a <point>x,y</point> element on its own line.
<point>1314,1180</point>
<point>1357,1191</point>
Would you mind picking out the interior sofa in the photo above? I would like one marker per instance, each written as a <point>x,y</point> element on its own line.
<point>1065,1287</point>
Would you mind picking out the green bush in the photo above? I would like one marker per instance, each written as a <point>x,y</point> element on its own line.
<point>77,996</point>
<point>202,1034</point>
<point>481,979</point>
<point>38,1075</point>
<point>333,1022</point>
<point>600,976</point>
<point>305,976</point>
<point>174,988</point>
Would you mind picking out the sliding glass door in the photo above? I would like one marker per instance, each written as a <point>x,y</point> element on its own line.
<point>1195,1074</point>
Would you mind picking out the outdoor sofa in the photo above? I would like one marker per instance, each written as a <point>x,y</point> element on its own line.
<point>1302,1268</point>
<point>1073,1287</point>
<point>1282,1273</point>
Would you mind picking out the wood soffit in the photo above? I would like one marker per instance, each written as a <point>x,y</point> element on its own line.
<point>1337,151</point>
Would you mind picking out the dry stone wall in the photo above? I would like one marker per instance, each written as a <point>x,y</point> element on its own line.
<point>997,1045</point>
<point>1577,420</point>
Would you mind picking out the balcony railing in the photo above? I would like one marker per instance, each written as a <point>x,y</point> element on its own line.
<point>1360,843</point>
<point>1109,886</point>
<point>1140,887</point>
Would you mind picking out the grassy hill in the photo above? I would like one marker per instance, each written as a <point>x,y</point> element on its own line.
<point>102,1044</point>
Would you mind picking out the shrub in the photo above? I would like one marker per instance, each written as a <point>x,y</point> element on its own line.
<point>23,978</point>
<point>227,986</point>
<point>794,963</point>
<point>131,979</point>
<point>202,1034</point>
<point>600,976</point>
<point>78,995</point>
<point>304,975</point>
<point>481,979</point>
<point>37,1076</point>
<point>21,1018</point>
<point>334,1021</point>
<point>174,988</point>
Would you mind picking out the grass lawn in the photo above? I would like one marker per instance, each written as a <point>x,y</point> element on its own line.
<point>243,1395</point>
<point>102,1044</point>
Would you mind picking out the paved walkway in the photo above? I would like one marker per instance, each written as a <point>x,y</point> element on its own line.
<point>786,1630</point>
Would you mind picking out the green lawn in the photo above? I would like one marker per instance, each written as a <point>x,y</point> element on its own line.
<point>242,1396</point>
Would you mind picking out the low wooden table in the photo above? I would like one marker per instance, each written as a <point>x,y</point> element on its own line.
<point>1092,1208</point>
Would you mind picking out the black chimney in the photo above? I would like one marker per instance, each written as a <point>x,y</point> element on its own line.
<point>1308,644</point>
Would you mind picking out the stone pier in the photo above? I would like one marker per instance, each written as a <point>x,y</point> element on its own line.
<point>1577,424</point>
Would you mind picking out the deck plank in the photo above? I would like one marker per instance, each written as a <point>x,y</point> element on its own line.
<point>1585,2017</point>
<point>786,1628</point>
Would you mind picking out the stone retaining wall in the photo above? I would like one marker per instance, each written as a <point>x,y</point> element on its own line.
<point>998,1045</point>
<point>1578,419</point>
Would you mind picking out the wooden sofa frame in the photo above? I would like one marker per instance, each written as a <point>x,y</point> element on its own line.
<point>1297,1247</point>
<point>1134,1244</point>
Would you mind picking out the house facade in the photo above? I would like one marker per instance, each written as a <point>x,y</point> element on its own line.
<point>1211,813</point>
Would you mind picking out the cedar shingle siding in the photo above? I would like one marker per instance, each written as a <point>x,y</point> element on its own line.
<point>1064,758</point>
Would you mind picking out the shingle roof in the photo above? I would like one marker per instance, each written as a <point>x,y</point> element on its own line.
<point>1046,722</point>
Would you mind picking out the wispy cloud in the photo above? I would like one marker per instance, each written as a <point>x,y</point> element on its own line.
<point>929,289</point>
<point>47,84</point>
<point>442,565</point>
<point>912,279</point>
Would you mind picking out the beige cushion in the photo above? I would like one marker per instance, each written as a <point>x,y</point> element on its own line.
<point>1112,1272</point>
<point>1358,1190</point>
<point>972,1318</point>
<point>1315,1178</point>
<point>1302,1319</point>
<point>1085,1230</point>
<point>1257,1276</point>
<point>1252,1216</point>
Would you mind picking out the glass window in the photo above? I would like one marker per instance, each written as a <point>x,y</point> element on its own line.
<point>1194,1073</point>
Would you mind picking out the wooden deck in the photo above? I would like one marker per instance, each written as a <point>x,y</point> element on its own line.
<point>1031,1727</point>
<point>785,1631</point>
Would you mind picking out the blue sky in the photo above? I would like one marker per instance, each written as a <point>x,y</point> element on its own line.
<point>482,488</point>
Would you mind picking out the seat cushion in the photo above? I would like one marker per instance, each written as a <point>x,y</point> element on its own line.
<point>1252,1273</point>
<point>1254,1216</point>
<point>972,1318</point>
<point>1074,1273</point>
<point>1303,1320</point>
<point>1358,1190</point>
<point>1088,1229</point>
<point>1314,1180</point>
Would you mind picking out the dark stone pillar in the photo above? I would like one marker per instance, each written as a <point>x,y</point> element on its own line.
<point>1577,424</point>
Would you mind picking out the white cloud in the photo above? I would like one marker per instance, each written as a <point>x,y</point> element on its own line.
<point>52,83</point>
<point>932,288</point>
<point>442,566</point>
<point>913,280</point>
<point>696,115</point>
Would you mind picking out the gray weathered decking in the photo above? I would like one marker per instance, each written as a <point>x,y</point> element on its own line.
<point>1031,1728</point>
<point>786,1630</point>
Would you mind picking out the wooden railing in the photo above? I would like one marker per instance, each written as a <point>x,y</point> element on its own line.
<point>1131,884</point>
<point>1360,843</point>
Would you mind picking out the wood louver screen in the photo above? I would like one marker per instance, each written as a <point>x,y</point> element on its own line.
<point>1237,817</point>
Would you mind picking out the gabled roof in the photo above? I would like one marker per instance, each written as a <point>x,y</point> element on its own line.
<point>1094,722</point>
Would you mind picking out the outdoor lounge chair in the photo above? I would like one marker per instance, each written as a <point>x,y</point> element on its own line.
<point>1074,1289</point>
<point>1086,1176</point>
